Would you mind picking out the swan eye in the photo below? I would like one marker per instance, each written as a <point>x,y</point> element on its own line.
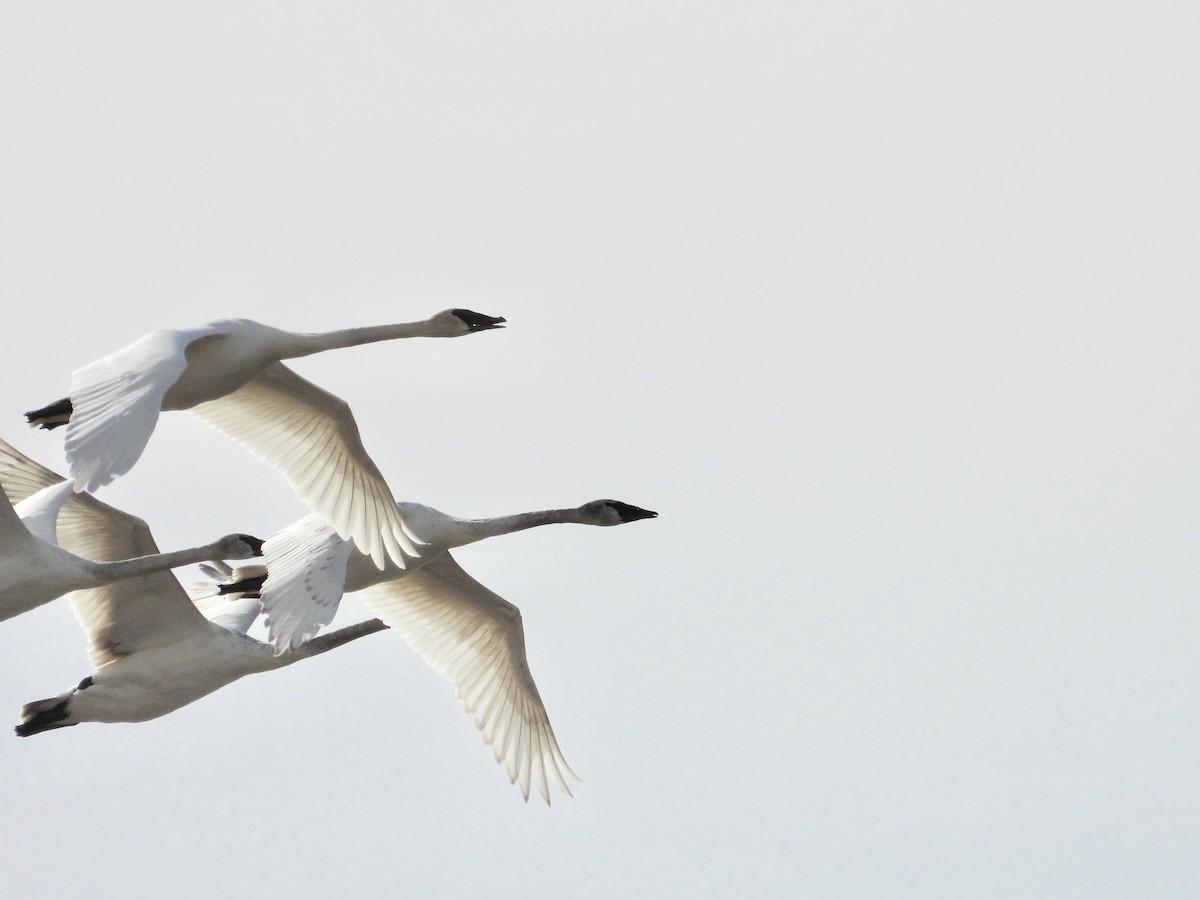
<point>85,684</point>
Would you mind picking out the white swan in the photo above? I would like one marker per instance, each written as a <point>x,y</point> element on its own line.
<point>34,569</point>
<point>473,637</point>
<point>229,374</point>
<point>154,649</point>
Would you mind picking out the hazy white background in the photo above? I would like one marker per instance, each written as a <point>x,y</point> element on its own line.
<point>889,309</point>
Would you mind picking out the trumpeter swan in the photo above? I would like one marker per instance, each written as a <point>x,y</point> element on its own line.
<point>34,569</point>
<point>154,649</point>
<point>229,374</point>
<point>470,635</point>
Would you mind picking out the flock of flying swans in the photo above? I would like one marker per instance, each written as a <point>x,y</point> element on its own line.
<point>155,649</point>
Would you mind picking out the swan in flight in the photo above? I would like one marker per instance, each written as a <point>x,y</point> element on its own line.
<point>34,569</point>
<point>229,373</point>
<point>154,649</point>
<point>470,635</point>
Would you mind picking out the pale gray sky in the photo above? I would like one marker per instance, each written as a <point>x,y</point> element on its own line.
<point>888,310</point>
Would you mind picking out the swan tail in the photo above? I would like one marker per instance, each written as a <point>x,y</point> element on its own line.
<point>246,587</point>
<point>43,715</point>
<point>57,413</point>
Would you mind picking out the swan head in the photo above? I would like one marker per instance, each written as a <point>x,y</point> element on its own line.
<point>614,512</point>
<point>239,546</point>
<point>455,322</point>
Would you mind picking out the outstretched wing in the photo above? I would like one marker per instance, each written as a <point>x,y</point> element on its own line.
<point>306,566</point>
<point>22,476</point>
<point>27,505</point>
<point>475,639</point>
<point>235,614</point>
<point>132,614</point>
<point>39,512</point>
<point>116,401</point>
<point>12,529</point>
<point>310,436</point>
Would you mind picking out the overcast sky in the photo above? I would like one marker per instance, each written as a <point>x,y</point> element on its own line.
<point>889,310</point>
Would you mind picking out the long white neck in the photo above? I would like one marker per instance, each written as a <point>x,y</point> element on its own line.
<point>156,562</point>
<point>308,344</point>
<point>467,531</point>
<point>326,642</point>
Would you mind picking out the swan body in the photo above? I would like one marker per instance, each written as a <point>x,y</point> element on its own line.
<point>469,634</point>
<point>34,569</point>
<point>229,373</point>
<point>155,650</point>
<point>155,681</point>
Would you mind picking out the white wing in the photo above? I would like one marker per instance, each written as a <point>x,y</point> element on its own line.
<point>12,529</point>
<point>21,479</point>
<point>310,436</point>
<point>22,476</point>
<point>306,566</point>
<point>39,512</point>
<point>31,487</point>
<point>134,613</point>
<point>235,614</point>
<point>475,639</point>
<point>116,401</point>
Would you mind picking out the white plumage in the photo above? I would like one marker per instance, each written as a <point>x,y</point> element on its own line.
<point>229,374</point>
<point>469,634</point>
<point>153,649</point>
<point>34,569</point>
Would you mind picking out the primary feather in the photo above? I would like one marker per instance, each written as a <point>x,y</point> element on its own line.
<point>470,635</point>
